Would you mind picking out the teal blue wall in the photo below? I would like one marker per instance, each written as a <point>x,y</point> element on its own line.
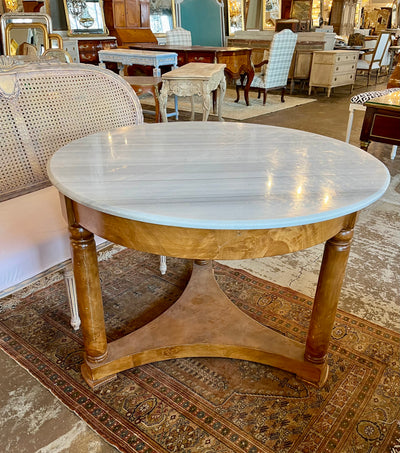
<point>203,19</point>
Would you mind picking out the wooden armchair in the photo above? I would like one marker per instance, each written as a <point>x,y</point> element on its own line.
<point>274,68</point>
<point>43,106</point>
<point>375,59</point>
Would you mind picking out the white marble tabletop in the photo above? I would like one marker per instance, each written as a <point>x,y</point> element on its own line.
<point>218,175</point>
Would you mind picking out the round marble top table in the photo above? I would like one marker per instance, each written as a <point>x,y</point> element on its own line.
<point>206,191</point>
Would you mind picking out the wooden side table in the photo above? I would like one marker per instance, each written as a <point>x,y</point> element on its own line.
<point>143,85</point>
<point>333,68</point>
<point>194,79</point>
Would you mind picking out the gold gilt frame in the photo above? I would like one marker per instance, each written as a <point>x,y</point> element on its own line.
<point>70,31</point>
<point>19,26</point>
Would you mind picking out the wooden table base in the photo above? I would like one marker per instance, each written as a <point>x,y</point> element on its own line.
<point>204,323</point>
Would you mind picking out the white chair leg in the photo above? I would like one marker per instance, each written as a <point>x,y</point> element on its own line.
<point>349,124</point>
<point>394,151</point>
<point>163,264</point>
<point>72,299</point>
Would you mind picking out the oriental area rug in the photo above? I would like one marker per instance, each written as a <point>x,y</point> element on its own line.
<point>210,405</point>
<point>236,111</point>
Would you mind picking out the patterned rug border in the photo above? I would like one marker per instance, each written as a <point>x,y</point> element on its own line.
<point>110,425</point>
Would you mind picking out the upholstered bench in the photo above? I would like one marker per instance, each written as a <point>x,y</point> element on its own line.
<point>34,242</point>
<point>43,106</point>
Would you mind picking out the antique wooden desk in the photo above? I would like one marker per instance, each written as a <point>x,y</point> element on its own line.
<point>207,191</point>
<point>382,121</point>
<point>236,59</point>
<point>194,79</point>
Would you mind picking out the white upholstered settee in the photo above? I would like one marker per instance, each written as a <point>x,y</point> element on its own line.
<point>43,106</point>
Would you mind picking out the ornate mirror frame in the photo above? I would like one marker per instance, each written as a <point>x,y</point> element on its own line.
<point>235,13</point>
<point>25,27</point>
<point>271,12</point>
<point>23,18</point>
<point>85,18</point>
<point>162,16</point>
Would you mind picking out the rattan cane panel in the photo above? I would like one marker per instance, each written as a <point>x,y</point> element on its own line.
<point>50,110</point>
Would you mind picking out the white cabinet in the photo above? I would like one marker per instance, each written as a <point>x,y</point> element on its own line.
<point>333,68</point>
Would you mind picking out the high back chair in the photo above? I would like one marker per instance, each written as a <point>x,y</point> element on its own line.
<point>43,106</point>
<point>377,58</point>
<point>178,37</point>
<point>277,64</point>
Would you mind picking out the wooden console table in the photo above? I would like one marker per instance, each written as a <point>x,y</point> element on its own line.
<point>382,121</point>
<point>236,59</point>
<point>207,191</point>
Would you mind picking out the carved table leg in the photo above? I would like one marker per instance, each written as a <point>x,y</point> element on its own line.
<point>327,294</point>
<point>163,101</point>
<point>250,77</point>
<point>206,102</point>
<point>221,95</point>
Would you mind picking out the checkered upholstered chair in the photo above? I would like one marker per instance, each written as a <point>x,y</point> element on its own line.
<point>178,37</point>
<point>275,73</point>
<point>43,106</point>
<point>357,103</point>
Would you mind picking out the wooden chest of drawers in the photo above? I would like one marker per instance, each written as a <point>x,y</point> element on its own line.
<point>333,68</point>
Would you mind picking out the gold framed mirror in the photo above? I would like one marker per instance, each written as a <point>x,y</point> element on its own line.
<point>235,16</point>
<point>162,16</point>
<point>271,12</point>
<point>30,36</point>
<point>85,18</point>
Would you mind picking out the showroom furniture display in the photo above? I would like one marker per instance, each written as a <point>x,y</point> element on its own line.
<point>333,68</point>
<point>206,191</point>
<point>45,105</point>
<point>237,59</point>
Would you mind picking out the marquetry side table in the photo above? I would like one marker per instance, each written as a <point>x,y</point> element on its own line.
<point>194,79</point>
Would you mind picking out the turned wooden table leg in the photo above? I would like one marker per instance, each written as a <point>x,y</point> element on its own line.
<point>250,77</point>
<point>87,281</point>
<point>327,294</point>
<point>364,145</point>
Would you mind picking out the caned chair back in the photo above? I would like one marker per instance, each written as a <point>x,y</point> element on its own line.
<point>279,59</point>
<point>178,37</point>
<point>44,105</point>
